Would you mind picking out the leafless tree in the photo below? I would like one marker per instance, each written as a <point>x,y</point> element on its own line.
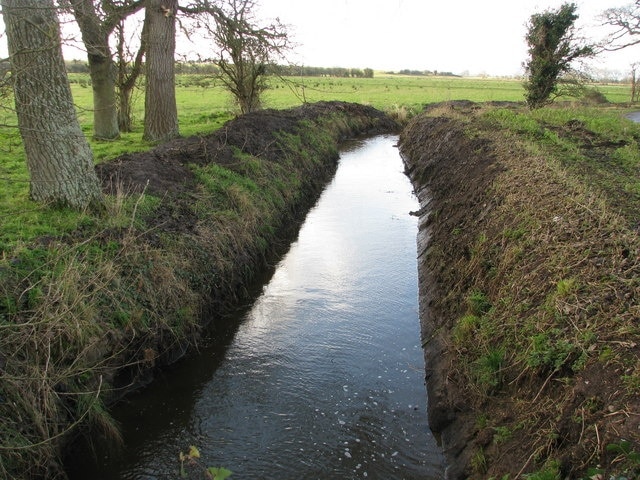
<point>635,89</point>
<point>625,22</point>
<point>129,68</point>
<point>626,26</point>
<point>245,50</point>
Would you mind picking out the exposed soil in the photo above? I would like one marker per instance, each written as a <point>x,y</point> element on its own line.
<point>451,173</point>
<point>570,419</point>
<point>164,170</point>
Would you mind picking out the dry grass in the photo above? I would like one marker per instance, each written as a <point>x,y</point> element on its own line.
<point>63,334</point>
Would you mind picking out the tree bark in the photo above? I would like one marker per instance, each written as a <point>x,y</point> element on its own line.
<point>160,112</point>
<point>101,69</point>
<point>59,158</point>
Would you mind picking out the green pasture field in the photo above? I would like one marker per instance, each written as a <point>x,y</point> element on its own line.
<point>204,106</point>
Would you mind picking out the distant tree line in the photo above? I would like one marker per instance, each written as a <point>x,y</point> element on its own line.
<point>209,67</point>
<point>426,73</point>
<point>305,71</point>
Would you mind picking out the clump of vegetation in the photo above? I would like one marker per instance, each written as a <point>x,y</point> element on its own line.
<point>552,49</point>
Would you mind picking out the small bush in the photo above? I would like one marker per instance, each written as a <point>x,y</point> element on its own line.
<point>595,97</point>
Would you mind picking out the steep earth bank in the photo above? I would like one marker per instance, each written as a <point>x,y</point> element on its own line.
<point>529,291</point>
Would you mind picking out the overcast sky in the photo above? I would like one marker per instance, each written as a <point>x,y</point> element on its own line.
<point>478,36</point>
<point>459,36</point>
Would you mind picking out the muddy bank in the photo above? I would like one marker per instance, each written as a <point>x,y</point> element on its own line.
<point>451,174</point>
<point>94,314</point>
<point>528,296</point>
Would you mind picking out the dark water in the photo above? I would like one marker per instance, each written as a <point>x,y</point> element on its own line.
<point>322,377</point>
<point>634,116</point>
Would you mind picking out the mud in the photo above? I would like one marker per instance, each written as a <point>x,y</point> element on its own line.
<point>451,174</point>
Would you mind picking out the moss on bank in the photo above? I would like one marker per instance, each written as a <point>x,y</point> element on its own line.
<point>87,316</point>
<point>530,288</point>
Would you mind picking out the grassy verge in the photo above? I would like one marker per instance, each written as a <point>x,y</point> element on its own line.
<point>88,310</point>
<point>534,256</point>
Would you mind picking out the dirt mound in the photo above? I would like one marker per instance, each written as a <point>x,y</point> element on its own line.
<point>164,169</point>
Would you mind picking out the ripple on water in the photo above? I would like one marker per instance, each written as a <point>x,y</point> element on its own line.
<point>324,375</point>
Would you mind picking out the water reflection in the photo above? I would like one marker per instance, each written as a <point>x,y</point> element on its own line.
<point>323,377</point>
<point>634,117</point>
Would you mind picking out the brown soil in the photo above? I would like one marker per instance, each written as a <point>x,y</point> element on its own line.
<point>472,184</point>
<point>164,170</point>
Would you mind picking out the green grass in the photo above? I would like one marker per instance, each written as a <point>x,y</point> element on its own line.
<point>611,161</point>
<point>204,106</point>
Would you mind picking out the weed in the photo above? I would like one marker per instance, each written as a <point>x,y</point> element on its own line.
<point>566,287</point>
<point>631,383</point>
<point>625,453</point>
<point>482,421</point>
<point>488,370</point>
<point>515,233</point>
<point>550,351</point>
<point>502,434</point>
<point>606,354</point>
<point>466,328</point>
<point>478,303</point>
<point>479,462</point>
<point>549,473</point>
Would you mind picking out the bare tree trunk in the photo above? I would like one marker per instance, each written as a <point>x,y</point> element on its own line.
<point>58,155</point>
<point>125,117</point>
<point>634,84</point>
<point>128,73</point>
<point>105,114</point>
<point>160,111</point>
<point>101,69</point>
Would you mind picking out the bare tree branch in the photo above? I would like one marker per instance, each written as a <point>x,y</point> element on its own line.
<point>626,23</point>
